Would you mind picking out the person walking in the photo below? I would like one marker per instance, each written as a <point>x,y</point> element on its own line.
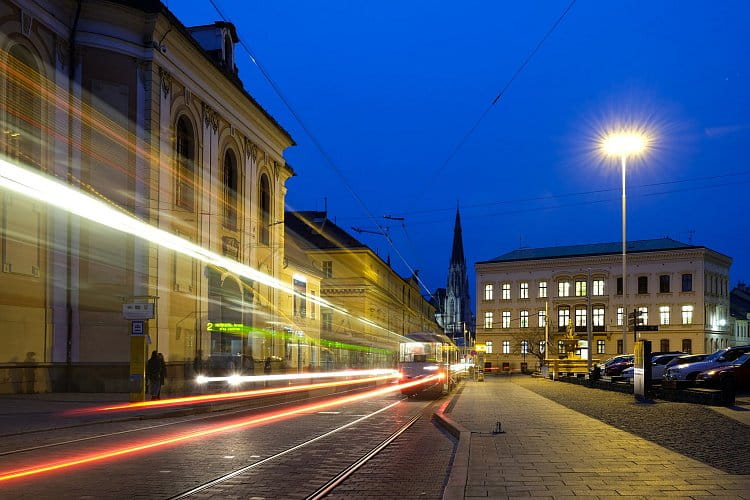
<point>162,373</point>
<point>153,374</point>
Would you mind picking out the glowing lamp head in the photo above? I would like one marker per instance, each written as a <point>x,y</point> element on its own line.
<point>234,380</point>
<point>200,379</point>
<point>624,143</point>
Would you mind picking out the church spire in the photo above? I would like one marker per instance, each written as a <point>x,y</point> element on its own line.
<point>457,256</point>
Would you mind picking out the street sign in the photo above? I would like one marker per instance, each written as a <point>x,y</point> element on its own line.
<point>480,347</point>
<point>137,327</point>
<point>141,310</point>
<point>648,328</point>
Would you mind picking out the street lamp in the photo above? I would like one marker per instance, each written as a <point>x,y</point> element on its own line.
<point>623,144</point>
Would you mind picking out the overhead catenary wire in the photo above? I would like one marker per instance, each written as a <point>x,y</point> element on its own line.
<point>331,163</point>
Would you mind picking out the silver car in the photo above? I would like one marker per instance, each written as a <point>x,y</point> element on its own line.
<point>721,357</point>
<point>658,366</point>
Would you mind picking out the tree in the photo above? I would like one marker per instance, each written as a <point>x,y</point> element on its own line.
<point>529,342</point>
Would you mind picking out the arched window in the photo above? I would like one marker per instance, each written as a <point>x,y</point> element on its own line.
<point>22,126</point>
<point>265,209</point>
<point>229,185</point>
<point>185,155</point>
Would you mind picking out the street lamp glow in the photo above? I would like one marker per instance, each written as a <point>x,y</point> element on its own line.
<point>624,143</point>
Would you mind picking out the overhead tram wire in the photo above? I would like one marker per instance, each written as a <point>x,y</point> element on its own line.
<point>500,94</point>
<point>321,150</point>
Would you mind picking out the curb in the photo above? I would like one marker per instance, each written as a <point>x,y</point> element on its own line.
<point>456,486</point>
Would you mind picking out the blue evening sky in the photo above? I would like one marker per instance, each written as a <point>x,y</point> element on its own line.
<point>390,87</point>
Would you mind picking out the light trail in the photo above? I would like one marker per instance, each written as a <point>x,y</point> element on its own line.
<point>297,376</point>
<point>229,396</point>
<point>210,431</point>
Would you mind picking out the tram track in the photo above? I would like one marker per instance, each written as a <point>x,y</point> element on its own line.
<point>339,478</point>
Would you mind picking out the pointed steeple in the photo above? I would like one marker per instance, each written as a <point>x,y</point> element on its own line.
<point>457,255</point>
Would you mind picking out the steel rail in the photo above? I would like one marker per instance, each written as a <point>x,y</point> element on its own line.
<point>236,472</point>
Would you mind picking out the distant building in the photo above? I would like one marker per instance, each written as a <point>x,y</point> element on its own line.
<point>455,315</point>
<point>739,307</point>
<point>683,289</point>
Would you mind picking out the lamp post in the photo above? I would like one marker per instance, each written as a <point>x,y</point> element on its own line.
<point>623,144</point>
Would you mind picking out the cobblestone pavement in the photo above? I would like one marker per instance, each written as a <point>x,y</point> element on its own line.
<point>415,465</point>
<point>550,451</point>
<point>165,472</point>
<point>693,430</point>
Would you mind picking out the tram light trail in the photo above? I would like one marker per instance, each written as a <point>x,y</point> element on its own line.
<point>209,431</point>
<point>379,375</point>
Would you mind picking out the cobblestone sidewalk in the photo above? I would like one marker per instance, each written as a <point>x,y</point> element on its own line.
<point>550,451</point>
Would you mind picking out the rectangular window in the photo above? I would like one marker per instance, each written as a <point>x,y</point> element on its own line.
<point>664,283</point>
<point>563,289</point>
<point>542,318</point>
<point>300,303</point>
<point>488,291</point>
<point>581,314</point>
<point>563,318</point>
<point>619,316</point>
<point>620,349</point>
<point>524,347</point>
<point>328,269</point>
<point>506,346</point>
<point>542,289</point>
<point>663,315</point>
<point>643,315</point>
<point>524,319</point>
<point>687,282</point>
<point>664,345</point>
<point>489,346</point>
<point>312,305</point>
<point>687,315</point>
<point>524,290</point>
<point>687,346</point>
<point>600,347</point>
<point>506,291</point>
<point>597,319</point>
<point>326,320</point>
<point>580,288</point>
<point>506,319</point>
<point>560,347</point>
<point>642,284</point>
<point>488,320</point>
<point>619,285</point>
<point>597,287</point>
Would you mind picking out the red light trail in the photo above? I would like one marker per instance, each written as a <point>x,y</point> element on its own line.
<point>189,436</point>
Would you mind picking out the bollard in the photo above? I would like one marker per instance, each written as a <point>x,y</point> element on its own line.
<point>728,388</point>
<point>498,428</point>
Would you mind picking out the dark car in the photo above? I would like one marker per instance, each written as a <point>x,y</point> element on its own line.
<point>613,367</point>
<point>686,359</point>
<point>740,369</point>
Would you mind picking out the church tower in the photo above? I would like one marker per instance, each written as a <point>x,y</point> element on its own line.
<point>457,316</point>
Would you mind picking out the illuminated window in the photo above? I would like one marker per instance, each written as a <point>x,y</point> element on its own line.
<point>664,315</point>
<point>524,347</point>
<point>560,347</point>
<point>185,169</point>
<point>506,319</point>
<point>597,318</point>
<point>328,269</point>
<point>489,346</point>
<point>563,317</point>
<point>229,185</point>
<point>597,287</point>
<point>488,319</point>
<point>600,347</point>
<point>506,291</point>
<point>488,291</point>
<point>506,346</point>
<point>542,289</point>
<point>542,318</point>
<point>581,314</point>
<point>643,315</point>
<point>524,290</point>
<point>21,137</point>
<point>524,319</point>
<point>580,288</point>
<point>563,289</point>
<point>687,315</point>
<point>264,220</point>
<point>619,316</point>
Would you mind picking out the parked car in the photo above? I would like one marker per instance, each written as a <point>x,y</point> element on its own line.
<point>613,367</point>
<point>722,357</point>
<point>740,368</point>
<point>688,358</point>
<point>658,366</point>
